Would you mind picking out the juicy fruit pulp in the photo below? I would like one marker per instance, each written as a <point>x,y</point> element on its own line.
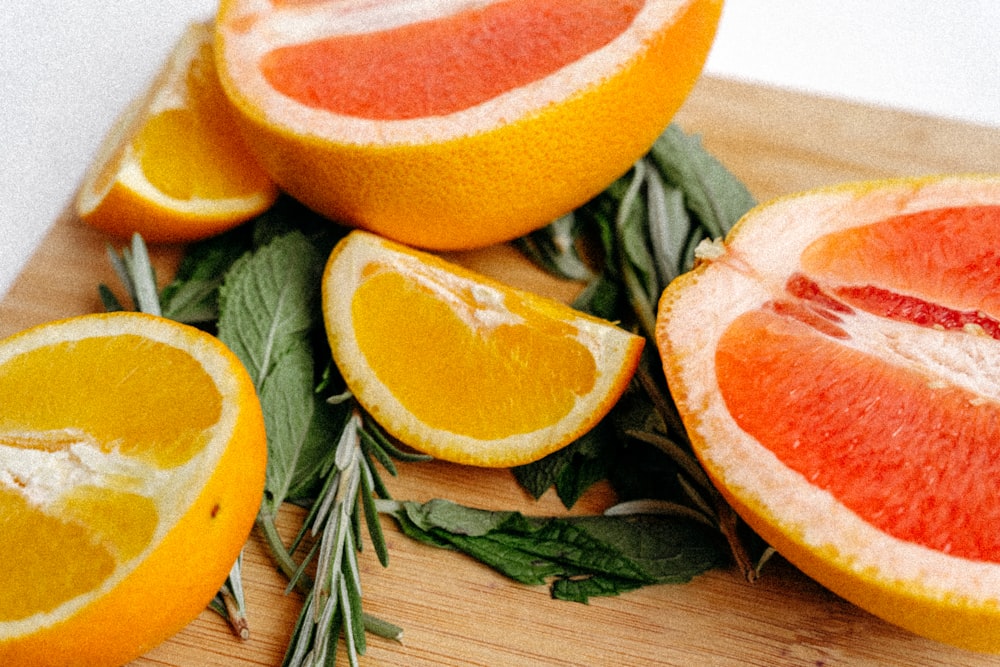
<point>44,457</point>
<point>131,466</point>
<point>464,368</point>
<point>437,67</point>
<point>853,372</point>
<point>174,167</point>
<point>453,124</point>
<point>840,443</point>
<point>528,355</point>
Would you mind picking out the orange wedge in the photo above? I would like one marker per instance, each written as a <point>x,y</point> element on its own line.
<point>174,167</point>
<point>464,368</point>
<point>453,124</point>
<point>836,362</point>
<point>132,455</point>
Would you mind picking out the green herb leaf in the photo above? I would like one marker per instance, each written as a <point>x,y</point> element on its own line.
<point>193,295</point>
<point>716,197</point>
<point>268,309</point>
<point>579,557</point>
<point>571,470</point>
<point>555,247</point>
<point>135,271</point>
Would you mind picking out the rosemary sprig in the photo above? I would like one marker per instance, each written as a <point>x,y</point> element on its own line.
<point>338,483</point>
<point>333,604</point>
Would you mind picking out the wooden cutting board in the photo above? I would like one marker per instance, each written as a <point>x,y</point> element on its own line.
<point>456,612</point>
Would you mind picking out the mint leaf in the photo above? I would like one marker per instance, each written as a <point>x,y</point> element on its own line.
<point>268,309</point>
<point>572,469</point>
<point>193,295</point>
<point>579,557</point>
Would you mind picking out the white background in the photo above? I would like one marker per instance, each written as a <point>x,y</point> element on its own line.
<point>68,68</point>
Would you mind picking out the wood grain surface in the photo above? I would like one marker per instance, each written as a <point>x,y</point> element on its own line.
<point>456,612</point>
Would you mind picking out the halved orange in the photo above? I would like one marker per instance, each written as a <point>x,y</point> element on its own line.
<point>132,455</point>
<point>836,362</point>
<point>464,368</point>
<point>455,124</point>
<point>174,167</point>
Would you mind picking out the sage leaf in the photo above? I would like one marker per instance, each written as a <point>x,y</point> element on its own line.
<point>669,226</point>
<point>715,196</point>
<point>555,247</point>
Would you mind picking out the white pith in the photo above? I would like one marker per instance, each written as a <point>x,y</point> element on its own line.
<point>731,286</point>
<point>42,477</point>
<point>46,478</point>
<point>275,27</point>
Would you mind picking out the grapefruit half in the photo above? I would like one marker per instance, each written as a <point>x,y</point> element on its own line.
<point>456,123</point>
<point>837,365</point>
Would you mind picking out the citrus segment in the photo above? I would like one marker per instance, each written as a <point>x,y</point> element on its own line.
<point>952,270</point>
<point>839,443</point>
<point>454,124</point>
<point>174,167</point>
<point>132,456</point>
<point>464,368</point>
<point>835,368</point>
<point>443,65</point>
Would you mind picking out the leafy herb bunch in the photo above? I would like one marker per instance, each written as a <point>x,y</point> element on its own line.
<point>626,245</point>
<point>257,288</point>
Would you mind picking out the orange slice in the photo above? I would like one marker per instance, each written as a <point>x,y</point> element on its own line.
<point>132,455</point>
<point>836,362</point>
<point>457,124</point>
<point>174,167</point>
<point>464,368</point>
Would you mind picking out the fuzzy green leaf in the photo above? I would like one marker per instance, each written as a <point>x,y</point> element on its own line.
<point>715,196</point>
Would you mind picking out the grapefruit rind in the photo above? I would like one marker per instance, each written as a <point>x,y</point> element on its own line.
<point>243,52</point>
<point>160,589</point>
<point>947,598</point>
<point>611,347</point>
<point>487,174</point>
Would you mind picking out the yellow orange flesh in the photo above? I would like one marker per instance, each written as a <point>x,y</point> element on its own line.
<point>836,368</point>
<point>479,164</point>
<point>132,458</point>
<point>174,167</point>
<point>464,368</point>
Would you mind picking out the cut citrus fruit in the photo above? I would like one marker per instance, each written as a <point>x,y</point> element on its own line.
<point>457,124</point>
<point>174,167</point>
<point>836,362</point>
<point>132,455</point>
<point>462,367</point>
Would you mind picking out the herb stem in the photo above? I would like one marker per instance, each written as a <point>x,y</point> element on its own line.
<point>279,554</point>
<point>728,522</point>
<point>234,614</point>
